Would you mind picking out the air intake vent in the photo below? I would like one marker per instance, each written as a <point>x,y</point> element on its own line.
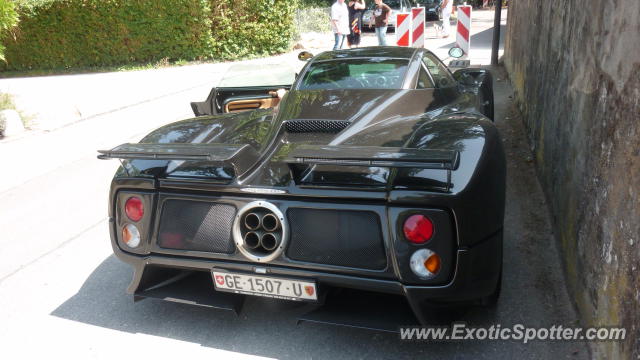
<point>195,225</point>
<point>336,237</point>
<point>318,126</point>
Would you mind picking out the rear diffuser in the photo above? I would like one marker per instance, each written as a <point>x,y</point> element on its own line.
<point>364,310</point>
<point>194,288</point>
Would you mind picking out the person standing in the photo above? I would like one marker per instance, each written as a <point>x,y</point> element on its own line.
<point>356,10</point>
<point>381,15</point>
<point>447,7</point>
<point>339,22</point>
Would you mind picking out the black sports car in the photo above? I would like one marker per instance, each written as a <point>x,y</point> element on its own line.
<point>376,184</point>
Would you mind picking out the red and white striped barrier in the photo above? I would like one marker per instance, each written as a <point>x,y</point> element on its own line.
<point>403,29</point>
<point>463,40</point>
<point>417,26</point>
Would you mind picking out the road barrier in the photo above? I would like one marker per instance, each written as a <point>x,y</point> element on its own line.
<point>403,29</point>
<point>463,39</point>
<point>417,21</point>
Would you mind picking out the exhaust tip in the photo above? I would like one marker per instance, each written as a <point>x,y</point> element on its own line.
<point>270,222</point>
<point>269,241</point>
<point>252,240</point>
<point>252,221</point>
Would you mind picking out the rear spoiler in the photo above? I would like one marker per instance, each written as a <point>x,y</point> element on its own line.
<point>239,157</point>
<point>373,156</point>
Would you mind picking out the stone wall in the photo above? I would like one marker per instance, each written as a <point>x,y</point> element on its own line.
<point>575,65</point>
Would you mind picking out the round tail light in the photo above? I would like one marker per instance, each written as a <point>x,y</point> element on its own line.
<point>425,263</point>
<point>131,236</point>
<point>134,208</point>
<point>418,229</point>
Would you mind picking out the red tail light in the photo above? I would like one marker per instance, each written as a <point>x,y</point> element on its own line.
<point>134,208</point>
<point>418,229</point>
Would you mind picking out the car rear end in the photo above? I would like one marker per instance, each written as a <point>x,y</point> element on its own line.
<point>212,245</point>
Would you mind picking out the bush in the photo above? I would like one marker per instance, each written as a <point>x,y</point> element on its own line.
<point>85,33</point>
<point>252,27</point>
<point>56,34</point>
<point>313,20</point>
<point>8,19</point>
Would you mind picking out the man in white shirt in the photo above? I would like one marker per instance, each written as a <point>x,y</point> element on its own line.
<point>447,7</point>
<point>339,22</point>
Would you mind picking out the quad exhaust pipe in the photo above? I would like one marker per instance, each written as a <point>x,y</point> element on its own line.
<point>270,241</point>
<point>252,221</point>
<point>261,230</point>
<point>270,222</point>
<point>252,240</point>
<point>256,239</point>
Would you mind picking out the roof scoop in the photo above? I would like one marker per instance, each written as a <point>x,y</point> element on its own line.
<point>315,126</point>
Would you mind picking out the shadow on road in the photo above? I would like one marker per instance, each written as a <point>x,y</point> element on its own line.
<point>264,327</point>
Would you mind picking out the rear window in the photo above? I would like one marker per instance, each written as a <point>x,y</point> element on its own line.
<point>373,73</point>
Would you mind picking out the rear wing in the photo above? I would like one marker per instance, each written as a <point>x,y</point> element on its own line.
<point>238,157</point>
<point>373,156</point>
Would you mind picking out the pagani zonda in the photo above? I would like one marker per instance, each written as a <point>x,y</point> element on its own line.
<point>376,183</point>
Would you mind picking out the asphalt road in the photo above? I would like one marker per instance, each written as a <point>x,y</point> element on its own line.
<point>62,292</point>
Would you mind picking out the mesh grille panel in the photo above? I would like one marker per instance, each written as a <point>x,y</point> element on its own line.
<point>303,126</point>
<point>336,237</point>
<point>199,226</point>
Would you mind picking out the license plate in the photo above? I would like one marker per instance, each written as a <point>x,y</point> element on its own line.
<point>278,288</point>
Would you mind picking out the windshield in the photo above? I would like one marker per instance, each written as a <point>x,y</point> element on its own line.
<point>369,73</point>
<point>243,75</point>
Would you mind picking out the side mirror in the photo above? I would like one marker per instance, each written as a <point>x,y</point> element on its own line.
<point>456,52</point>
<point>304,56</point>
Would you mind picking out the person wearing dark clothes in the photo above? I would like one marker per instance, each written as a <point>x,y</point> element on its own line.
<point>381,17</point>
<point>356,10</point>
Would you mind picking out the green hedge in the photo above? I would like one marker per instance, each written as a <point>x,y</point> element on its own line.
<point>8,19</point>
<point>81,33</point>
<point>252,27</point>
<point>88,33</point>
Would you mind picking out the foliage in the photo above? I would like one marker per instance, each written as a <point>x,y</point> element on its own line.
<point>313,20</point>
<point>6,101</point>
<point>77,34</point>
<point>305,4</point>
<point>8,19</point>
<point>82,33</point>
<point>252,27</point>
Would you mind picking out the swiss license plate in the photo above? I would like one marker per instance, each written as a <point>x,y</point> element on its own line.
<point>278,288</point>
